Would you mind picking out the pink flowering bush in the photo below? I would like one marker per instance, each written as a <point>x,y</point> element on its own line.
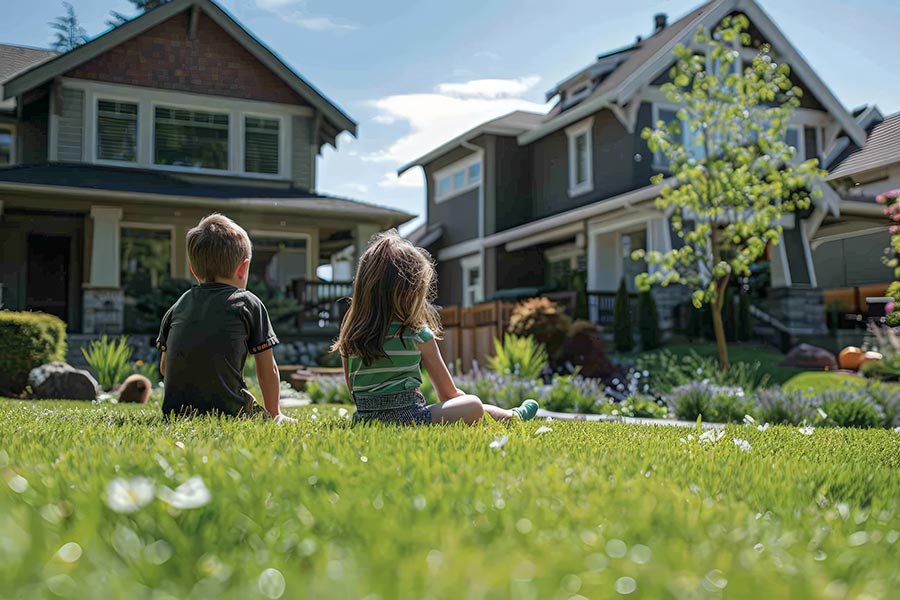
<point>891,201</point>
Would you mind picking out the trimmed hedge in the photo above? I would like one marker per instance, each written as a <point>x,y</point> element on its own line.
<point>29,340</point>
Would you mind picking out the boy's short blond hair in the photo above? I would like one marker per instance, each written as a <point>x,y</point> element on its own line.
<point>216,246</point>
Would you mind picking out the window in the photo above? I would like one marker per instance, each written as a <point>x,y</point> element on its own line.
<point>472,291</point>
<point>6,146</point>
<point>277,261</point>
<point>190,138</point>
<point>146,261</point>
<point>261,145</point>
<point>457,178</point>
<point>117,131</point>
<point>581,179</point>
<point>669,114</point>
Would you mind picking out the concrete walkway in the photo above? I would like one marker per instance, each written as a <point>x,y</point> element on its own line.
<point>558,416</point>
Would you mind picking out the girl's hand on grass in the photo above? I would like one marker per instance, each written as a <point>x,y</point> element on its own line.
<point>282,418</point>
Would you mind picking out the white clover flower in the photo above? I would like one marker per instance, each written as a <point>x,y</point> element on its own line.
<point>499,442</point>
<point>742,444</point>
<point>193,493</point>
<point>748,420</point>
<point>128,496</point>
<point>711,436</point>
<point>542,429</point>
<point>763,427</point>
<point>343,412</point>
<point>806,430</point>
<point>896,429</point>
<point>822,413</point>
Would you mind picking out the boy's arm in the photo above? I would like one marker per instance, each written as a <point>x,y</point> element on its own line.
<point>269,382</point>
<point>162,364</point>
<point>437,371</point>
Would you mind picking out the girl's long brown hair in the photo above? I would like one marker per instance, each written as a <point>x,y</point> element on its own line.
<point>395,281</point>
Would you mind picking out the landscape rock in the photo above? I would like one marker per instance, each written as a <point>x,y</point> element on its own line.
<point>135,389</point>
<point>810,357</point>
<point>60,381</point>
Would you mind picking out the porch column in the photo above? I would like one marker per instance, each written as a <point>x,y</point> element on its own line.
<point>312,256</point>
<point>180,269</point>
<point>103,298</point>
<point>779,269</point>
<point>604,262</point>
<point>361,235</point>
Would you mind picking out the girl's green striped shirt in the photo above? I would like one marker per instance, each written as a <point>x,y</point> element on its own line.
<point>399,371</point>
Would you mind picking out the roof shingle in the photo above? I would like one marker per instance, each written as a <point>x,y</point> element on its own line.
<point>882,148</point>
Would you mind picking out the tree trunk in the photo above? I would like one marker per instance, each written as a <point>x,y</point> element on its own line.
<point>719,329</point>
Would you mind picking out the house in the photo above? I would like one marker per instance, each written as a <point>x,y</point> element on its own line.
<point>523,201</point>
<point>112,151</point>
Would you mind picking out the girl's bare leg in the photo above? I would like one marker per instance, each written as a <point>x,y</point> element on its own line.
<point>466,408</point>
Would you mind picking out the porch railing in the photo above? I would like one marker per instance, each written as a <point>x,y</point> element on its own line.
<point>322,303</point>
<point>601,308</point>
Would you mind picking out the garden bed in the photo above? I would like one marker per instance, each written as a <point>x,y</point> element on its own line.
<point>319,509</point>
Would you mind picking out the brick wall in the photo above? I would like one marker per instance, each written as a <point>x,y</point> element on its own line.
<point>212,63</point>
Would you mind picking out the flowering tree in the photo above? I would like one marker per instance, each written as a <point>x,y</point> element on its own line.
<point>891,201</point>
<point>734,176</point>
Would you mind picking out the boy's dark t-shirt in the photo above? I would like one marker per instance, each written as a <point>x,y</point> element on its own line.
<point>207,335</point>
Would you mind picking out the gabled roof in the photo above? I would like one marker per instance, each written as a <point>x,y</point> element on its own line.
<point>511,124</point>
<point>47,71</point>
<point>654,55</point>
<point>155,187</point>
<point>14,60</point>
<point>881,149</point>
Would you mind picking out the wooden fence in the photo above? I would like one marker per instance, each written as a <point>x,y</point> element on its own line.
<point>469,332</point>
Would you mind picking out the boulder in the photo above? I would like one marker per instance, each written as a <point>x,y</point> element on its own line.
<point>810,357</point>
<point>59,381</point>
<point>135,389</point>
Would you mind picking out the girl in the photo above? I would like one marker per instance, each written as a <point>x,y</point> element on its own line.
<point>390,330</point>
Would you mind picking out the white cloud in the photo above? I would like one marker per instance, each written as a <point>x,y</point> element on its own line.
<point>434,118</point>
<point>489,88</point>
<point>358,188</point>
<point>296,12</point>
<point>410,179</point>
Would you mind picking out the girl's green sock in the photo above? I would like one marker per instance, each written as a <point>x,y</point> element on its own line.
<point>528,410</point>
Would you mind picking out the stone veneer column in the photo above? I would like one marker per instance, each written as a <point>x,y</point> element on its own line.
<point>104,299</point>
<point>361,235</point>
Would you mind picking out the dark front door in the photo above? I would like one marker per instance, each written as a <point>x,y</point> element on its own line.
<point>47,289</point>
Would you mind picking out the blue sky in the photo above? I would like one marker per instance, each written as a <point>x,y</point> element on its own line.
<point>414,73</point>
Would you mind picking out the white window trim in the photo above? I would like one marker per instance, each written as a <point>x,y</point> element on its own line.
<point>148,99</point>
<point>466,265</point>
<point>573,132</point>
<point>156,227</point>
<point>11,128</point>
<point>570,252</point>
<point>460,165</point>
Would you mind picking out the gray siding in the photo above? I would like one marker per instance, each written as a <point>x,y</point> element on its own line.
<point>613,167</point>
<point>301,153</point>
<point>852,261</point>
<point>511,203</point>
<point>449,275</point>
<point>458,215</point>
<point>71,126</point>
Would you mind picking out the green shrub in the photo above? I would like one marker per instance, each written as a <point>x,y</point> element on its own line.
<point>518,355</point>
<point>329,390</point>
<point>887,399</point>
<point>149,309</point>
<point>562,396</point>
<point>542,318</point>
<point>149,369</point>
<point>778,407</point>
<point>744,318</point>
<point>666,371</point>
<point>585,348</point>
<point>717,404</point>
<point>623,335</point>
<point>648,322</point>
<point>109,360</point>
<point>845,409</point>
<point>28,340</point>
<point>282,309</point>
<point>644,407</point>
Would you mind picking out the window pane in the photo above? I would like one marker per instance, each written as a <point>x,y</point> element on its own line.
<point>116,131</point>
<point>475,173</point>
<point>581,166</point>
<point>261,145</point>
<point>146,256</point>
<point>792,138</point>
<point>444,186</point>
<point>189,138</point>
<point>459,179</point>
<point>5,147</point>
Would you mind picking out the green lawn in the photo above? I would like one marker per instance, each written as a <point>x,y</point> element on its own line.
<point>768,359</point>
<point>319,510</point>
<point>816,382</point>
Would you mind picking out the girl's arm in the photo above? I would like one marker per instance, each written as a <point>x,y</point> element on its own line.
<point>437,372</point>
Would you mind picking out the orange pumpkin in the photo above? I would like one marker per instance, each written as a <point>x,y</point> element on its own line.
<point>850,358</point>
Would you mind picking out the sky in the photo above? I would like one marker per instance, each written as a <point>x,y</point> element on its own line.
<point>416,73</point>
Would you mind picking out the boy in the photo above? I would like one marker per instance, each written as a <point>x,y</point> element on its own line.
<point>206,335</point>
